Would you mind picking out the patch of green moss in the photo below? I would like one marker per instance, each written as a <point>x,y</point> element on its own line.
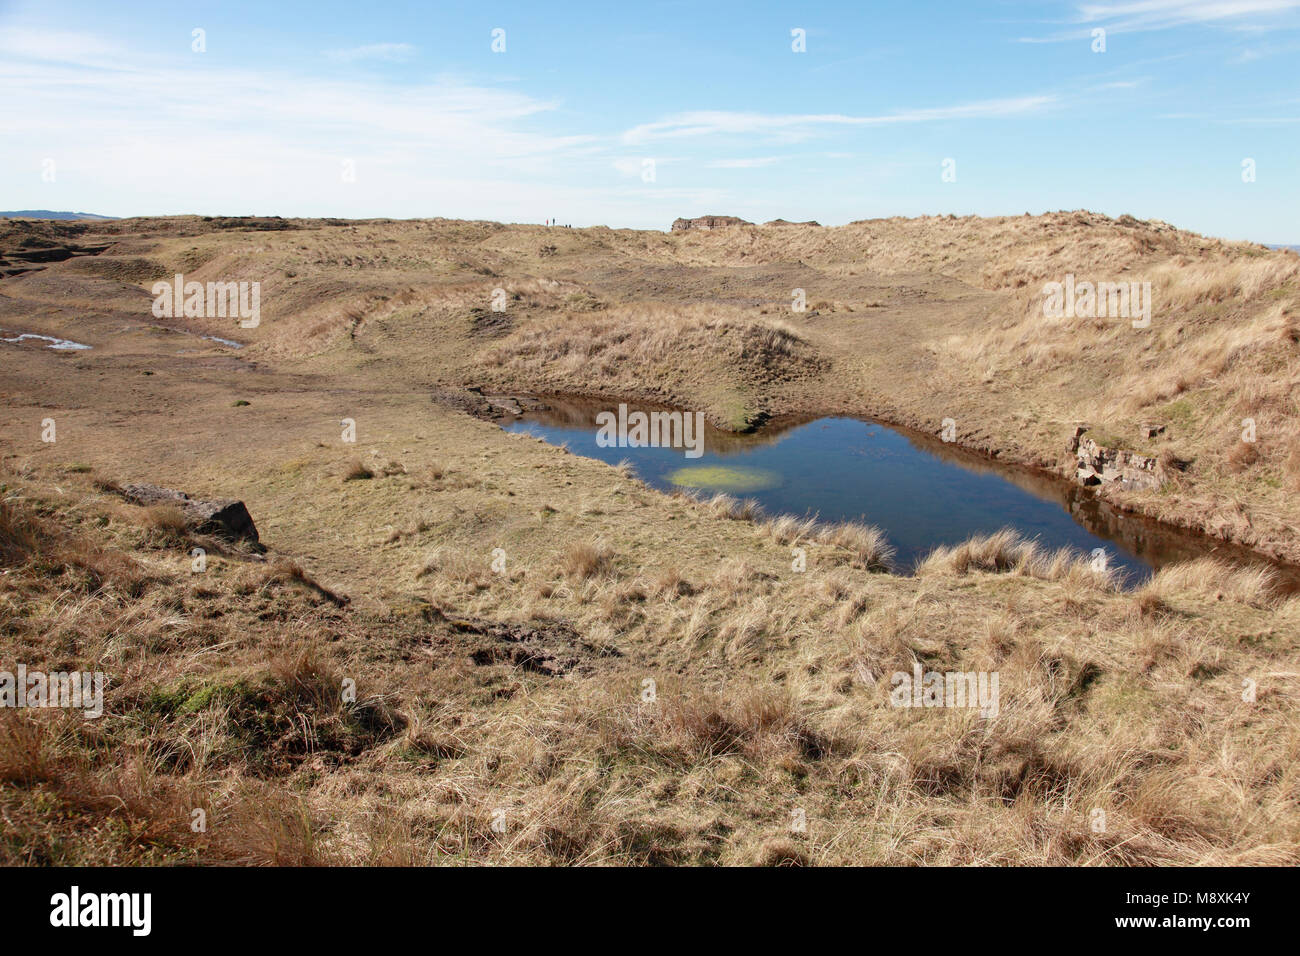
<point>736,415</point>
<point>1107,439</point>
<point>1180,412</point>
<point>189,696</point>
<point>724,478</point>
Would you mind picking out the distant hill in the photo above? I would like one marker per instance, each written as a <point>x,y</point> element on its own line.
<point>49,214</point>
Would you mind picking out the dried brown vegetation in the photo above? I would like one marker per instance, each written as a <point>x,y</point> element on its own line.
<point>243,702</point>
<point>649,680</point>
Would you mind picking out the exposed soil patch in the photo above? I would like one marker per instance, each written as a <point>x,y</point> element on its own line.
<point>553,649</point>
<point>32,254</point>
<point>486,324</point>
<point>489,407</point>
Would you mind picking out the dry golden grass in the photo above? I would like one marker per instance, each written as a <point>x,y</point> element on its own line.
<point>585,559</point>
<point>623,348</point>
<point>788,529</point>
<point>651,681</point>
<point>1219,581</point>
<point>867,545</point>
<point>165,521</point>
<point>1004,551</point>
<point>20,534</point>
<point>705,769</point>
<point>630,342</point>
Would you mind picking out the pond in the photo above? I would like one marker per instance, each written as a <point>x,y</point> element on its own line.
<point>919,491</point>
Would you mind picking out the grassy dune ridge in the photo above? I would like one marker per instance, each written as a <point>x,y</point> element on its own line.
<point>519,695</point>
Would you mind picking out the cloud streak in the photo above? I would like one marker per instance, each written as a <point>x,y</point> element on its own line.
<point>191,135</point>
<point>797,126</point>
<point>1162,14</point>
<point>1135,16</point>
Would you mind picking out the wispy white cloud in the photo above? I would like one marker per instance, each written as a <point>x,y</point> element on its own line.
<point>188,133</point>
<point>797,126</point>
<point>1162,14</point>
<point>58,46</point>
<point>390,52</point>
<point>1130,16</point>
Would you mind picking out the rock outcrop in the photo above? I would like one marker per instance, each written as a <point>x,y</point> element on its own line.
<point>226,518</point>
<point>1151,430</point>
<point>33,256</point>
<point>1100,465</point>
<point>709,222</point>
<point>786,222</point>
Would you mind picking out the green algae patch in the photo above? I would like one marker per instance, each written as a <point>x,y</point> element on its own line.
<point>724,478</point>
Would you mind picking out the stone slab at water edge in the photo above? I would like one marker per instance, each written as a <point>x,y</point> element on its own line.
<point>1101,465</point>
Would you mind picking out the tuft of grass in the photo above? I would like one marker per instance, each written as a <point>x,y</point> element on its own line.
<point>585,559</point>
<point>1149,604</point>
<point>787,529</point>
<point>26,751</point>
<point>20,534</point>
<point>1242,456</point>
<point>1212,579</point>
<point>166,521</point>
<point>867,545</point>
<point>670,583</point>
<point>726,506</point>
<point>1004,552</point>
<point>999,552</point>
<point>356,470</point>
<point>781,851</point>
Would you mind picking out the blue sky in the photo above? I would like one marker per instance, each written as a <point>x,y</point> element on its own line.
<point>107,108</point>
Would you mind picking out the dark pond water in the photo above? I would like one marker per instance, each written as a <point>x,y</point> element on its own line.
<point>921,492</point>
